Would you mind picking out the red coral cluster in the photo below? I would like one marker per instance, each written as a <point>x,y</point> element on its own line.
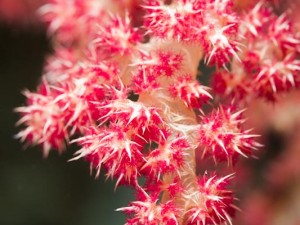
<point>124,77</point>
<point>269,57</point>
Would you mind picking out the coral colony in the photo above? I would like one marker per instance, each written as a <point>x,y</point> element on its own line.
<point>124,78</point>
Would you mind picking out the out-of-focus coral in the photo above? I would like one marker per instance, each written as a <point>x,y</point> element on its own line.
<point>20,11</point>
<point>272,191</point>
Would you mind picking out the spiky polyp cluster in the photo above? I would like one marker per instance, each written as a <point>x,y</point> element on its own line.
<point>212,24</point>
<point>221,136</point>
<point>149,211</point>
<point>69,20</point>
<point>42,117</point>
<point>117,38</point>
<point>269,59</point>
<point>114,149</point>
<point>133,101</point>
<point>209,202</point>
<point>190,92</point>
<point>206,201</point>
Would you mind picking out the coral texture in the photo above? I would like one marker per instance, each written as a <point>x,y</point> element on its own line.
<point>125,79</point>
